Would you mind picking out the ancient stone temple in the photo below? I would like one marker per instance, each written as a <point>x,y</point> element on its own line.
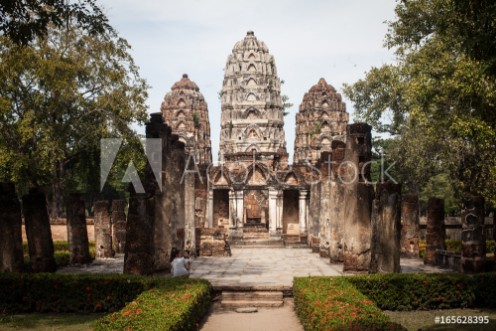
<point>321,120</point>
<point>253,192</point>
<point>185,111</point>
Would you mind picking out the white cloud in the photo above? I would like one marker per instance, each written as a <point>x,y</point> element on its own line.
<point>335,39</point>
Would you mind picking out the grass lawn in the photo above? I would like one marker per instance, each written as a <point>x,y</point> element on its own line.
<point>45,322</point>
<point>424,319</point>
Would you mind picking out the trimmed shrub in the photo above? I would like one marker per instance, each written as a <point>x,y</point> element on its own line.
<point>23,293</point>
<point>145,303</point>
<point>417,291</point>
<point>173,304</point>
<point>332,303</point>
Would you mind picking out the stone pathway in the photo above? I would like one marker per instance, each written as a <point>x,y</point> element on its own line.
<point>266,319</point>
<point>262,267</point>
<point>252,267</point>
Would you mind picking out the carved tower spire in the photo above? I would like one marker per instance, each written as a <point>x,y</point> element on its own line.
<point>186,112</point>
<point>252,114</point>
<point>321,119</point>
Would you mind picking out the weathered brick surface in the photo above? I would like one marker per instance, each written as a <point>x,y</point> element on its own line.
<point>473,239</point>
<point>119,225</point>
<point>103,230</point>
<point>386,228</point>
<point>11,254</point>
<point>435,230</point>
<point>38,231</point>
<point>77,233</point>
<point>410,226</point>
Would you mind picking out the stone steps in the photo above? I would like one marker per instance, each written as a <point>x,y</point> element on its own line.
<point>252,299</point>
<point>257,243</point>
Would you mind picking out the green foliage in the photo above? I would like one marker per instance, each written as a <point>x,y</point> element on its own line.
<point>21,293</point>
<point>417,291</point>
<point>172,304</point>
<point>58,98</point>
<point>196,120</point>
<point>145,303</point>
<point>285,103</point>
<point>24,20</point>
<point>440,186</point>
<point>333,303</point>
<point>439,100</point>
<point>61,253</point>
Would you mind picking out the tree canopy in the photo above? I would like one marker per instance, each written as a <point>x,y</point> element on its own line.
<point>24,20</point>
<point>58,97</point>
<point>438,101</point>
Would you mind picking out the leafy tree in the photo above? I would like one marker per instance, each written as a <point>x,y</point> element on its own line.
<point>24,20</point>
<point>438,101</point>
<point>58,98</point>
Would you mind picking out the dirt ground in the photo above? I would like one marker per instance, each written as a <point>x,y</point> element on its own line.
<point>59,233</point>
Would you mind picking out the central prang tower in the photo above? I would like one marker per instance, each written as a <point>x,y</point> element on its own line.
<point>252,113</point>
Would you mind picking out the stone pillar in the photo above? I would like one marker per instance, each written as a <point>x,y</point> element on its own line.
<point>239,197</point>
<point>336,222</point>
<point>189,214</point>
<point>232,210</point>
<point>302,211</point>
<point>435,230</point>
<point>325,222</point>
<point>103,230</point>
<point>314,211</point>
<point>38,231</point>
<point>386,228</point>
<point>210,208</point>
<point>473,238</point>
<point>119,225</point>
<point>77,233</point>
<point>139,249</point>
<point>273,212</point>
<point>171,204</point>
<point>410,226</point>
<point>354,173</point>
<point>279,211</point>
<point>11,253</point>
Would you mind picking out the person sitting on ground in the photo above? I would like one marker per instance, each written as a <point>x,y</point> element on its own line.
<point>181,265</point>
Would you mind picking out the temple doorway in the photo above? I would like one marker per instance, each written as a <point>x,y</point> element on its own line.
<point>221,208</point>
<point>290,212</point>
<point>256,205</point>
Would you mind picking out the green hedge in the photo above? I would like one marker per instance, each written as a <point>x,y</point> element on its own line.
<point>142,303</point>
<point>428,291</point>
<point>173,304</point>
<point>332,303</point>
<point>22,293</point>
<point>417,291</point>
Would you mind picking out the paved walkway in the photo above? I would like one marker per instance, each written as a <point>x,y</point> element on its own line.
<point>266,319</point>
<point>262,267</point>
<point>277,267</point>
<point>252,267</point>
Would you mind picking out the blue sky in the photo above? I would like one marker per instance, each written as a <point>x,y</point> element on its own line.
<point>335,39</point>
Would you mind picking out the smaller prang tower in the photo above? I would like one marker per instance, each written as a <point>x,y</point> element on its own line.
<point>322,118</point>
